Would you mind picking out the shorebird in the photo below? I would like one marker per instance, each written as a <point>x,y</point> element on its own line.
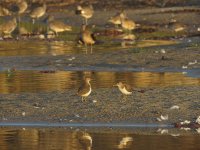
<point>38,12</point>
<point>85,11</point>
<point>127,24</point>
<point>125,89</point>
<point>85,89</point>
<point>116,20</point>
<point>20,7</point>
<point>8,27</point>
<point>87,37</point>
<point>57,26</point>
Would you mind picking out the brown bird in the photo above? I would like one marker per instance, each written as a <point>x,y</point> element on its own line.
<point>8,27</point>
<point>127,24</point>
<point>38,12</point>
<point>85,89</point>
<point>87,37</point>
<point>85,11</point>
<point>116,20</point>
<point>19,7</point>
<point>125,89</point>
<point>57,26</point>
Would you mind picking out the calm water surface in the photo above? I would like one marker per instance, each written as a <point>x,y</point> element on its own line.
<point>24,48</point>
<point>67,139</point>
<point>40,81</point>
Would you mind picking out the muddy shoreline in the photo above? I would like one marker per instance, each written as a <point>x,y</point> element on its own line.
<point>104,105</point>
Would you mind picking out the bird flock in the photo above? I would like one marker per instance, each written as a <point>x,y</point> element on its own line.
<point>86,37</point>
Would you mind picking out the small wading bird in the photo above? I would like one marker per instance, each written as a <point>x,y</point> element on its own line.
<point>19,7</point>
<point>125,89</point>
<point>8,27</point>
<point>38,12</point>
<point>116,20</point>
<point>86,37</point>
<point>85,89</point>
<point>85,11</point>
<point>127,24</point>
<point>57,26</point>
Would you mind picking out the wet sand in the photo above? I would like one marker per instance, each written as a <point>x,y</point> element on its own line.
<point>103,105</point>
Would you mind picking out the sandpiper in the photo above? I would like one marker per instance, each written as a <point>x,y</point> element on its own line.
<point>116,20</point>
<point>127,24</point>
<point>22,5</point>
<point>19,7</point>
<point>85,89</point>
<point>57,26</point>
<point>125,89</point>
<point>87,37</point>
<point>85,11</point>
<point>8,27</point>
<point>38,12</point>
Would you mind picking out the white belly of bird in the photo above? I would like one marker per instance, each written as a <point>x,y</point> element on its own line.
<point>88,93</point>
<point>124,91</point>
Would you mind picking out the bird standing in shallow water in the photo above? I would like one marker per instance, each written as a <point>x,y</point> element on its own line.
<point>20,7</point>
<point>116,20</point>
<point>38,12</point>
<point>87,37</point>
<point>127,24</point>
<point>125,89</point>
<point>85,89</point>
<point>85,11</point>
<point>57,26</point>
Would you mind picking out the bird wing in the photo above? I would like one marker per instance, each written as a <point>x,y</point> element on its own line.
<point>128,87</point>
<point>83,89</point>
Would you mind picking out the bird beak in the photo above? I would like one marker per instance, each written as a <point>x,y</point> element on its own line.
<point>115,85</point>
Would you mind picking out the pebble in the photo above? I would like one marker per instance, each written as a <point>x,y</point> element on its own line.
<point>174,107</point>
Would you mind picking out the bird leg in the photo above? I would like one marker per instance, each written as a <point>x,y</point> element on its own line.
<point>124,98</point>
<point>86,21</point>
<point>91,48</point>
<point>86,48</point>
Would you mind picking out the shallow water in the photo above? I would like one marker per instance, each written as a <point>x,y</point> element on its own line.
<point>71,139</point>
<point>41,81</point>
<point>24,48</point>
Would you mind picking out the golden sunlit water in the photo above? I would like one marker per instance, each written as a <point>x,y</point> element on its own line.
<point>24,48</point>
<point>43,81</point>
<point>65,139</point>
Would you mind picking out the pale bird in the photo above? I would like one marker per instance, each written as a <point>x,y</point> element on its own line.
<point>128,24</point>
<point>198,120</point>
<point>85,11</point>
<point>85,89</point>
<point>125,89</point>
<point>38,12</point>
<point>87,37</point>
<point>57,26</point>
<point>8,27</point>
